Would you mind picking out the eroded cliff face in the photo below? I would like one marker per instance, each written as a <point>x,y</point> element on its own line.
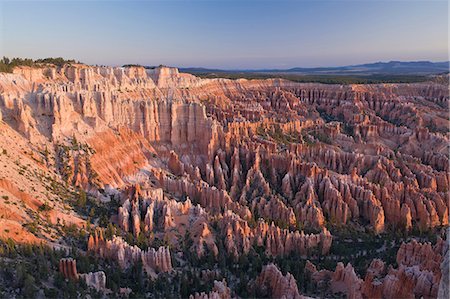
<point>272,283</point>
<point>418,274</point>
<point>103,105</point>
<point>153,261</point>
<point>216,167</point>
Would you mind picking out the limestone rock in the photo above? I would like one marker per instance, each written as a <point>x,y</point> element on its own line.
<point>174,164</point>
<point>96,280</point>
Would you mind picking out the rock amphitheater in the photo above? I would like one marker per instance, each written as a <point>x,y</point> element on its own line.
<point>213,168</point>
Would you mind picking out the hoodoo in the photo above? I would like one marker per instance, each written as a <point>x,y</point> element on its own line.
<point>162,175</point>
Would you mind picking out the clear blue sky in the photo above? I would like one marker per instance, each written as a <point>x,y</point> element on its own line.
<point>226,34</point>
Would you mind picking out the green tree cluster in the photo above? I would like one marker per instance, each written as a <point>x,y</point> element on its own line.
<point>7,64</point>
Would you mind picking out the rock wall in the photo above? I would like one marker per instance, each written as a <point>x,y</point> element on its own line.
<point>96,280</point>
<point>219,291</point>
<point>443,291</point>
<point>101,106</point>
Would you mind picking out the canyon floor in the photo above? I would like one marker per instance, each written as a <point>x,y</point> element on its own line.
<point>152,183</point>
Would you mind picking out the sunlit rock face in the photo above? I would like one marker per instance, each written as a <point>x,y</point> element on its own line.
<point>218,167</point>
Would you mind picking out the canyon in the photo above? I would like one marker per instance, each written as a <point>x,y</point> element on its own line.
<point>182,178</point>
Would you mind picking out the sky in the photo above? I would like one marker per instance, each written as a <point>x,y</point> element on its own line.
<point>226,34</point>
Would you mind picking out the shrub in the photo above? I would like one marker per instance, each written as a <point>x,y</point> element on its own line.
<point>81,199</point>
<point>45,207</point>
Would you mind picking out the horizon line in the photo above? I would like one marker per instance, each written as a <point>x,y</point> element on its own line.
<point>237,69</point>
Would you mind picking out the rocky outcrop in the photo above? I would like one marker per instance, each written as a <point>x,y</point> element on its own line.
<point>153,261</point>
<point>344,280</point>
<point>272,283</point>
<point>174,219</point>
<point>68,268</point>
<point>281,242</point>
<point>174,164</point>
<point>95,104</point>
<point>424,255</point>
<point>240,237</point>
<point>96,280</point>
<point>418,275</point>
<point>168,77</point>
<point>210,198</point>
<point>236,164</point>
<point>384,160</point>
<point>220,291</point>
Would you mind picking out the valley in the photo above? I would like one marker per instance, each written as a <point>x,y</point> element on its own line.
<point>134,182</point>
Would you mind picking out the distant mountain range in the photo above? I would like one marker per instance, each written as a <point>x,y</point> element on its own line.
<point>391,67</point>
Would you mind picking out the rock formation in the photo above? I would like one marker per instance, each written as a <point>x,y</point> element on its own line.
<point>128,115</point>
<point>344,280</point>
<point>239,238</point>
<point>443,291</point>
<point>219,291</point>
<point>174,218</point>
<point>96,280</point>
<point>216,167</point>
<point>68,268</point>
<point>273,284</point>
<point>418,275</point>
<point>154,261</point>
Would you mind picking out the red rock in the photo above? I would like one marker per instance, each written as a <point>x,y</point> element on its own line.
<point>243,150</point>
<point>272,283</point>
<point>68,268</point>
<point>345,280</point>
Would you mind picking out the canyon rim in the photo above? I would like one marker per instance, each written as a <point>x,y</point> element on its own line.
<point>135,181</point>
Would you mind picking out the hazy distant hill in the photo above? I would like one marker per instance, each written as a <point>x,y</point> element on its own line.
<point>392,67</point>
